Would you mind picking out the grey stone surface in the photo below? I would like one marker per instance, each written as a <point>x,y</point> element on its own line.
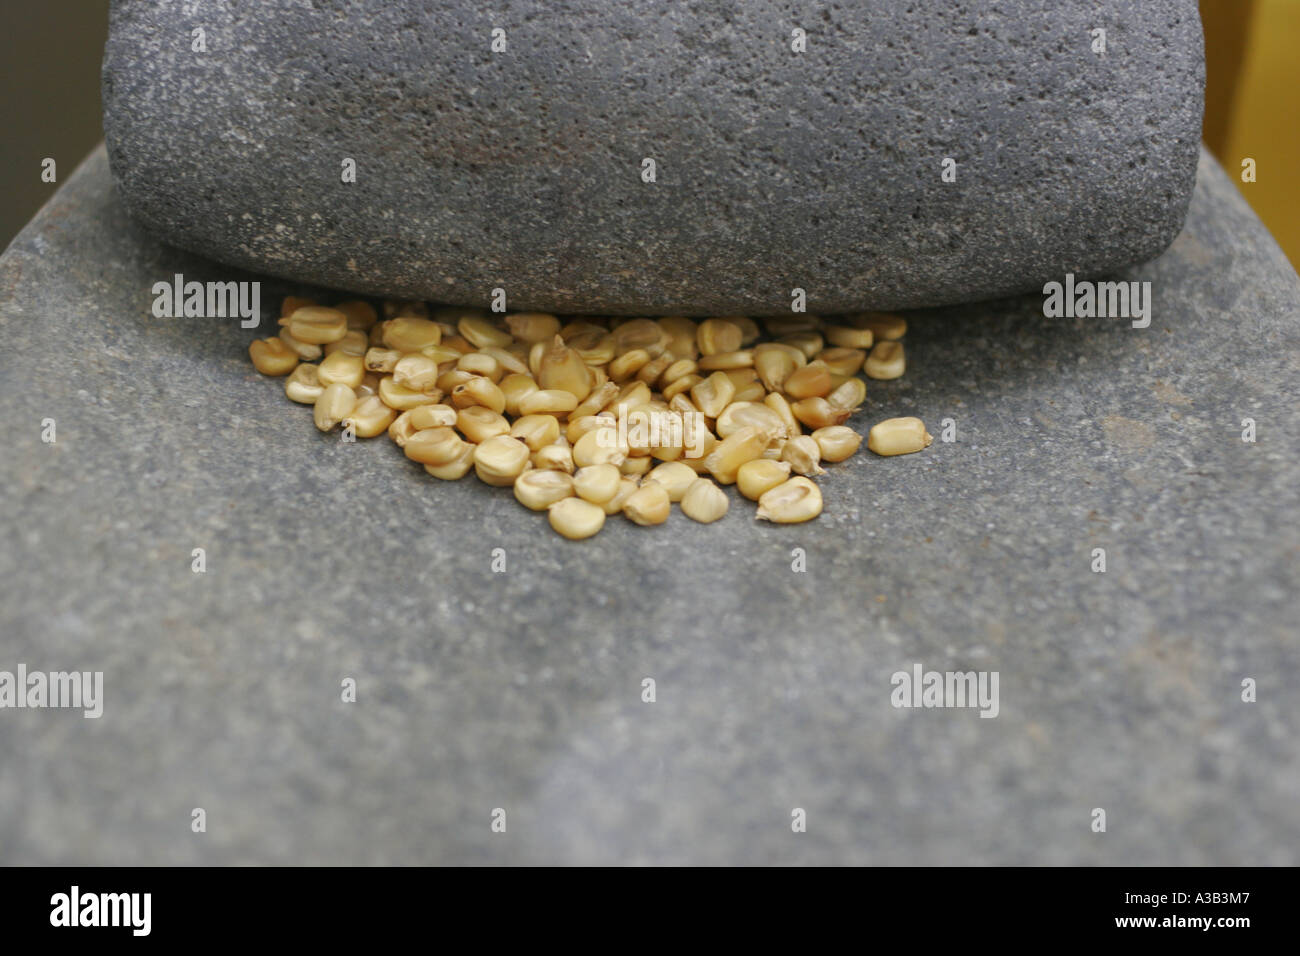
<point>522,690</point>
<point>775,170</point>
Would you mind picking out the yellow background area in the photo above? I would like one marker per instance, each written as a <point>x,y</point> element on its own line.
<point>1252,105</point>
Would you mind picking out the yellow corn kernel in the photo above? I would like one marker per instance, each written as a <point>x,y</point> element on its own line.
<point>272,357</point>
<point>370,417</point>
<point>714,394</point>
<point>597,483</point>
<point>680,333</point>
<point>883,325</point>
<point>576,519</point>
<point>599,446</point>
<point>548,401</point>
<point>561,368</point>
<point>381,360</point>
<point>842,361</point>
<point>819,413</point>
<point>898,436</point>
<point>361,315</point>
<point>627,365</point>
<point>419,373</point>
<point>434,446</point>
<point>514,388</point>
<point>811,381</point>
<point>342,368</point>
<point>479,391</point>
<point>849,395</point>
<point>538,489</point>
<point>533,327</point>
<point>478,424</point>
<point>726,360</point>
<point>804,455</point>
<point>500,460</point>
<point>303,385</point>
<point>596,401</point>
<point>304,350</point>
<point>837,442</point>
<point>318,325</point>
<point>779,405</point>
<point>402,398</point>
<point>648,505</point>
<point>536,431</point>
<point>791,502</point>
<point>557,456</point>
<point>292,303</point>
<point>739,414</point>
<point>847,337</point>
<point>704,501</point>
<point>886,361</point>
<point>674,476</point>
<point>457,468</point>
<point>334,404</point>
<point>718,335</point>
<point>733,451</point>
<point>761,475</point>
<point>410,333</point>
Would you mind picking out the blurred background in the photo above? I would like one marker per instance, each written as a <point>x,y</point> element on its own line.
<point>49,95</point>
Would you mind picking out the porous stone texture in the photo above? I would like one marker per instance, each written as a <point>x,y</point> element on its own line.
<point>774,169</point>
<point>523,689</point>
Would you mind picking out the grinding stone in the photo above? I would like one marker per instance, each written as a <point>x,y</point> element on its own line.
<point>774,170</point>
<point>522,690</point>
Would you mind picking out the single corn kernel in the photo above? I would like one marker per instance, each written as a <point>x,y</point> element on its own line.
<point>819,413</point>
<point>648,505</point>
<point>678,369</point>
<point>410,333</point>
<point>536,431</point>
<point>401,430</point>
<point>898,436</point>
<point>713,394</point>
<point>847,337</point>
<point>272,357</point>
<point>303,385</point>
<point>599,446</point>
<point>749,330</point>
<point>318,325</point>
<point>739,414</point>
<point>382,360</point>
<point>791,502</point>
<point>342,368</point>
<point>576,519</point>
<point>636,467</point>
<point>457,468</point>
<point>638,334</point>
<point>753,392</point>
<point>842,361</point>
<point>627,484</point>
<point>369,385</point>
<point>886,361</point>
<point>804,455</point>
<point>304,350</point>
<point>757,477</point>
<point>727,360</point>
<point>652,370</point>
<point>511,364</point>
<point>479,330</point>
<point>779,405</point>
<point>478,424</point>
<point>811,381</point>
<point>773,367</point>
<point>434,446</point>
<point>627,365</point>
<point>675,477</point>
<point>500,460</point>
<point>514,388</point>
<point>419,373</point>
<point>480,364</point>
<point>402,398</point>
<point>704,501</point>
<point>850,395</point>
<point>533,327</point>
<point>598,400</point>
<point>718,335</point>
<point>733,451</point>
<point>580,425</point>
<point>432,416</point>
<point>562,368</point>
<point>361,315</point>
<point>538,489</point>
<point>837,442</point>
<point>681,385</point>
<point>479,391</point>
<point>292,303</point>
<point>597,483</point>
<point>354,343</point>
<point>548,401</point>
<point>370,417</point>
<point>594,349</point>
<point>334,404</point>
<point>680,332</point>
<point>790,324</point>
<point>883,325</point>
<point>808,342</point>
<point>557,456</point>
<point>449,378</point>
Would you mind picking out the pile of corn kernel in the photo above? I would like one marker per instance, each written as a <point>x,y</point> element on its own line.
<point>531,402</point>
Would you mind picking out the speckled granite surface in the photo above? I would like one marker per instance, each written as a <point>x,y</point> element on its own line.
<point>522,690</point>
